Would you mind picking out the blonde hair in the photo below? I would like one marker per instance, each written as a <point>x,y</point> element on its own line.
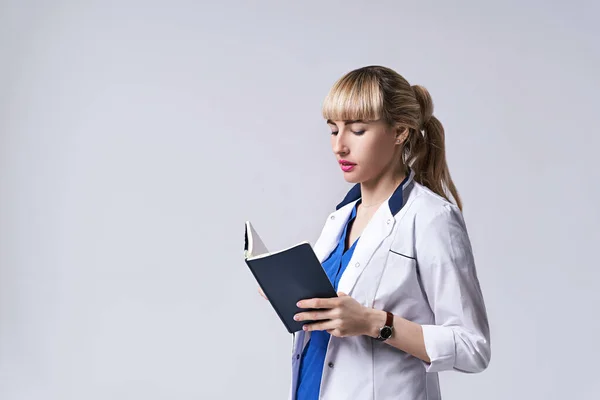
<point>375,92</point>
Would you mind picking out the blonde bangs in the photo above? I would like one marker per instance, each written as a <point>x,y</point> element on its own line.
<point>356,96</point>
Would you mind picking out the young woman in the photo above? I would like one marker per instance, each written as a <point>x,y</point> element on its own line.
<point>397,251</point>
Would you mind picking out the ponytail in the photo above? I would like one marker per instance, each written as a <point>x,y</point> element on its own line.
<point>425,150</point>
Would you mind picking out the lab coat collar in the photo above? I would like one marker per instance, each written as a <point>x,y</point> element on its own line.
<point>395,202</point>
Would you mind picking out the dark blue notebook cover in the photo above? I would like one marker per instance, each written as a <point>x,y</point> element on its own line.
<point>289,276</point>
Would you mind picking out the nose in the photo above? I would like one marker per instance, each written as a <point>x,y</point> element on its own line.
<point>338,144</point>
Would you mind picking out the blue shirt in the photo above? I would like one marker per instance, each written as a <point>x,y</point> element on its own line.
<point>313,357</point>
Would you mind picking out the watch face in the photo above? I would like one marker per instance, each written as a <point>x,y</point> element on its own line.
<point>385,332</point>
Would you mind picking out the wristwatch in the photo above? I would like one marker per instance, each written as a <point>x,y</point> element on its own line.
<point>385,332</point>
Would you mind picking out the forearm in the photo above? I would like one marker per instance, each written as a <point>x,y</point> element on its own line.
<point>407,335</point>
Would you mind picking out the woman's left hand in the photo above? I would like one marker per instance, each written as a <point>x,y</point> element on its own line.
<point>340,316</point>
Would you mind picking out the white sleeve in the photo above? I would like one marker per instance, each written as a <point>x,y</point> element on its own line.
<point>460,337</point>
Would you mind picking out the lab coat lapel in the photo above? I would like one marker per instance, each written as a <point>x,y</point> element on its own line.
<point>332,231</point>
<point>377,230</point>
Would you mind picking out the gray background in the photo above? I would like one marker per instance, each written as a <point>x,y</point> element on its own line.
<point>136,137</point>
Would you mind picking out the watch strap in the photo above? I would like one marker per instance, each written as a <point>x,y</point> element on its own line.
<point>389,319</point>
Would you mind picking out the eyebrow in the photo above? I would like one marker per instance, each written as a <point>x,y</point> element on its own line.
<point>349,121</point>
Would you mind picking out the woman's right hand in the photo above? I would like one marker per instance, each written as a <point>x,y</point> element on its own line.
<point>262,293</point>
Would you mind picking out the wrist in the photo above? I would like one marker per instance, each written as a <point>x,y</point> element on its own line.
<point>374,321</point>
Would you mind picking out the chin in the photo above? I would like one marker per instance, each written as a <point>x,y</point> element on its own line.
<point>350,178</point>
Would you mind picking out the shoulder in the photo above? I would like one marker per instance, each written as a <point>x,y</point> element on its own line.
<point>429,218</point>
<point>424,206</point>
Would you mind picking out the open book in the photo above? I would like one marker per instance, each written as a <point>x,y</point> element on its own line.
<point>286,276</point>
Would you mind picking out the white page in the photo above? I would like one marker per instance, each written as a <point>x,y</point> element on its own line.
<point>255,244</point>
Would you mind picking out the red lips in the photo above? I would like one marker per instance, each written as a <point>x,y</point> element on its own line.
<point>346,163</point>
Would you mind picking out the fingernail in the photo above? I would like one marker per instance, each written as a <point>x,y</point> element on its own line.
<point>296,317</point>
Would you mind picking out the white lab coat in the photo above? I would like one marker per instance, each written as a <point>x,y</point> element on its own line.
<point>418,265</point>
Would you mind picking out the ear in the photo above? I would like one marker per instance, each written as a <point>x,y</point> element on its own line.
<point>401,134</point>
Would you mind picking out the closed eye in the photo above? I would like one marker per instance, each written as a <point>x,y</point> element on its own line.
<point>358,133</point>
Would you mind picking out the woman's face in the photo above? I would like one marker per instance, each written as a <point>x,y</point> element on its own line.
<point>365,150</point>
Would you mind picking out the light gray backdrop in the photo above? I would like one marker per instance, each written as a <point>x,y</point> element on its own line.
<point>136,137</point>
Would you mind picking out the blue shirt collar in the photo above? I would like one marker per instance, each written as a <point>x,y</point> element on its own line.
<point>395,202</point>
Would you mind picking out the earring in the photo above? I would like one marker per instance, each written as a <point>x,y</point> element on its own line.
<point>398,141</point>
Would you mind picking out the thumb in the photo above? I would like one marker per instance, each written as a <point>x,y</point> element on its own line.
<point>341,294</point>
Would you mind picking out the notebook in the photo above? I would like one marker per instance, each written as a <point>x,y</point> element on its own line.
<point>286,276</point>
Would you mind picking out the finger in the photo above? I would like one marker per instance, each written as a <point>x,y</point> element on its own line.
<point>320,326</point>
<point>314,315</point>
<point>260,291</point>
<point>318,303</point>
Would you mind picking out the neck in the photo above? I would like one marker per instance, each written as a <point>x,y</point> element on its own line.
<point>375,191</point>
